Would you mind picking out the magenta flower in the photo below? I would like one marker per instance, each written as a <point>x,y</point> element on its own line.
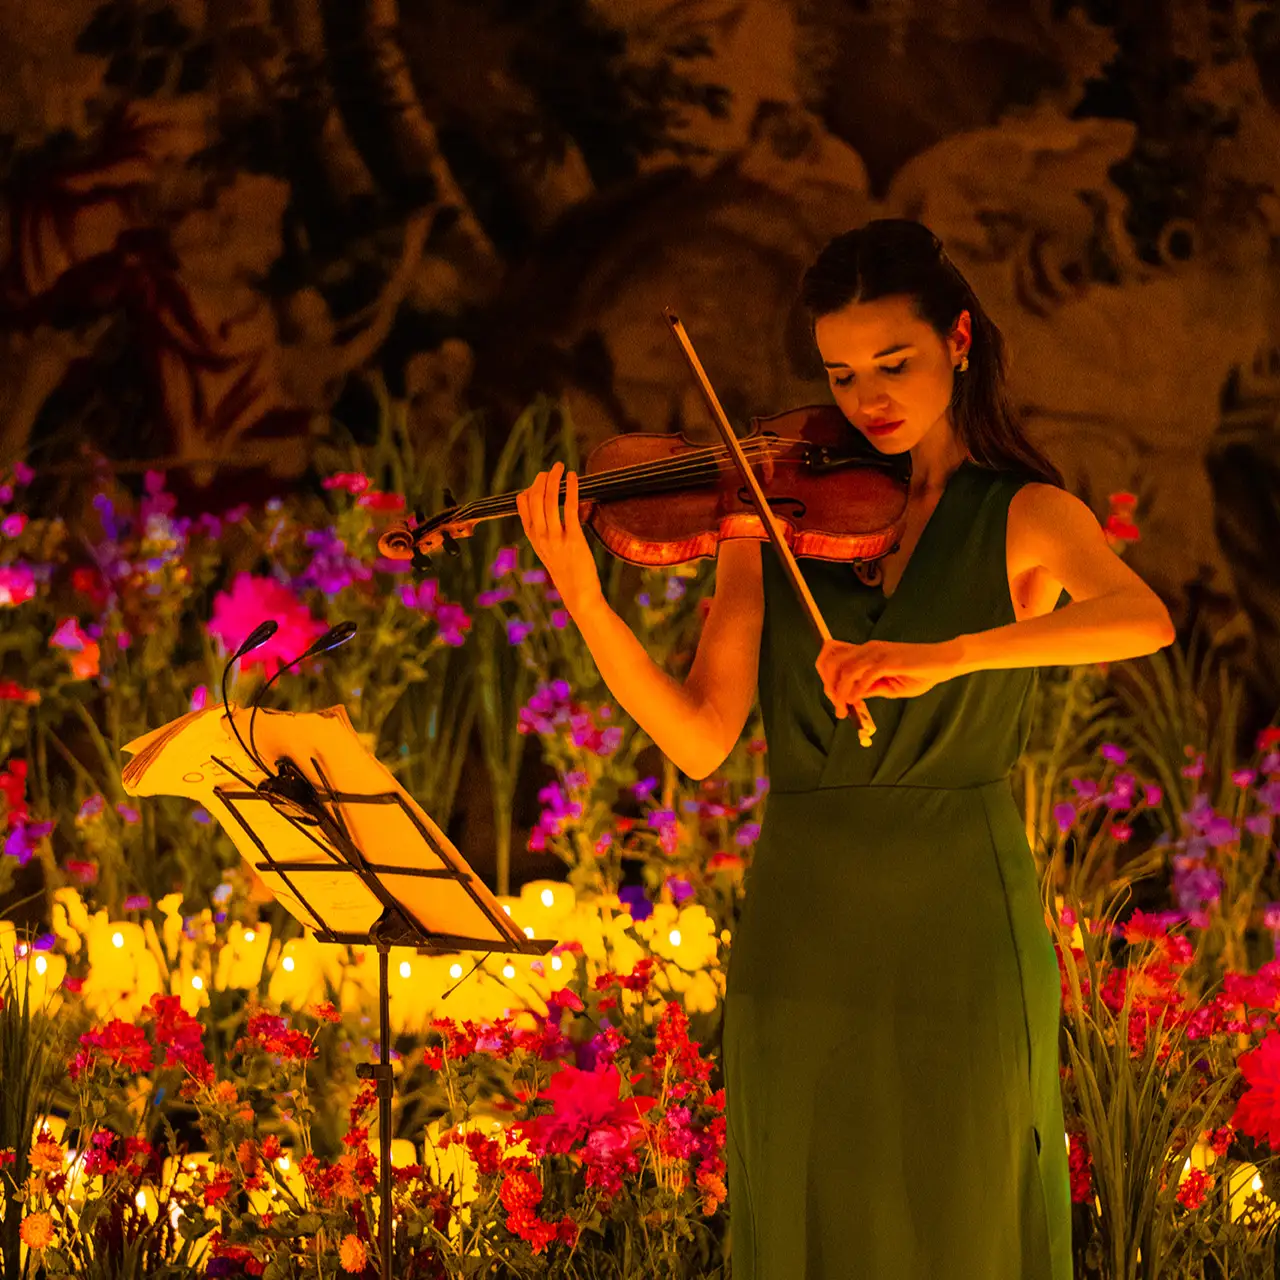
<point>504,562</point>
<point>453,621</point>
<point>17,583</point>
<point>422,596</point>
<point>1064,815</point>
<point>69,635</point>
<point>518,630</point>
<point>1109,751</point>
<point>253,599</point>
<point>13,525</point>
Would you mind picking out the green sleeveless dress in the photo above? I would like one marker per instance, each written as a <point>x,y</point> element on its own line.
<point>890,1034</point>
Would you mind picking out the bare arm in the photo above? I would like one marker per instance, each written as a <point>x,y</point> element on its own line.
<point>695,723</point>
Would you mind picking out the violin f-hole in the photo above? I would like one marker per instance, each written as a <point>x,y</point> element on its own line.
<point>797,504</point>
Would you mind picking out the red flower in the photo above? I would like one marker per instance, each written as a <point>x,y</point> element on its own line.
<point>1257,1113</point>
<point>123,1043</point>
<point>181,1037</point>
<point>1192,1192</point>
<point>1081,1163</point>
<point>376,501</point>
<point>352,481</point>
<point>273,1034</point>
<point>586,1106</point>
<point>219,1188</point>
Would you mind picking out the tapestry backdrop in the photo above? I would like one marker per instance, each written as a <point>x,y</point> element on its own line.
<point>233,229</point>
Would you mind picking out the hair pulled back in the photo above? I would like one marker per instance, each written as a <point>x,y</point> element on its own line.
<point>896,256</point>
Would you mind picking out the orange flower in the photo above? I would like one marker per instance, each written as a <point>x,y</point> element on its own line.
<point>36,1231</point>
<point>225,1092</point>
<point>46,1154</point>
<point>352,1254</point>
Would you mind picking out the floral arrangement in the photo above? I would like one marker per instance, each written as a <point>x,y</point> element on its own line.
<point>560,1114</point>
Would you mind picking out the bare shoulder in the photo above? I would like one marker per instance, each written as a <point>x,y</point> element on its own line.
<point>1054,535</point>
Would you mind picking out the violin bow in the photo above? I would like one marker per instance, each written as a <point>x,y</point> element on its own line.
<point>866,726</point>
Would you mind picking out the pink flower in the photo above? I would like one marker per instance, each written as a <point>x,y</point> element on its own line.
<point>1257,1113</point>
<point>352,481</point>
<point>252,600</point>
<point>17,584</point>
<point>587,1106</point>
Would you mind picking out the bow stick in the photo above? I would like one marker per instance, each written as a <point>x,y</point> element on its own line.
<point>866,726</point>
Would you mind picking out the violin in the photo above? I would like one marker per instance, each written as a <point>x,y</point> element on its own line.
<point>803,479</point>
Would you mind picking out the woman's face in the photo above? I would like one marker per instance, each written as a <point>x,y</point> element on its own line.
<point>887,366</point>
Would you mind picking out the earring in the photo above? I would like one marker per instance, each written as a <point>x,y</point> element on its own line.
<point>963,366</point>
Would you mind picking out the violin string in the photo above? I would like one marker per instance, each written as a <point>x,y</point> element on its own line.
<point>695,465</point>
<point>647,476</point>
<point>692,464</point>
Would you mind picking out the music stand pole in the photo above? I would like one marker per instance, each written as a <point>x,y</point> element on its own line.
<point>381,1072</point>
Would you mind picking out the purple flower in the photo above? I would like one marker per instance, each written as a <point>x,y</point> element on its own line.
<point>533,576</point>
<point>1064,815</point>
<point>518,630</point>
<point>1243,777</point>
<point>92,807</point>
<point>1152,794</point>
<point>199,697</point>
<point>1271,916</point>
<point>332,569</point>
<point>422,595</point>
<point>114,529</point>
<point>1109,751</point>
<point>1121,795</point>
<point>637,901</point>
<point>549,706</point>
<point>12,525</point>
<point>24,840</point>
<point>1258,824</point>
<point>496,595</point>
<point>22,473</point>
<point>559,619</point>
<point>643,599</point>
<point>504,562</point>
<point>675,588</point>
<point>679,888</point>
<point>128,813</point>
<point>137,902</point>
<point>643,789</point>
<point>747,833</point>
<point>1086,788</point>
<point>1195,885</point>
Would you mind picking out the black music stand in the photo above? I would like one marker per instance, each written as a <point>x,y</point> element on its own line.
<point>330,872</point>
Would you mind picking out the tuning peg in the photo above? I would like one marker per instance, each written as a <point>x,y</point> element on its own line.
<point>449,499</point>
<point>450,544</point>
<point>419,515</point>
<point>421,562</point>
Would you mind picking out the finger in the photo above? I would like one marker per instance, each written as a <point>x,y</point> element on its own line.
<point>534,499</point>
<point>572,519</point>
<point>551,499</point>
<point>522,507</point>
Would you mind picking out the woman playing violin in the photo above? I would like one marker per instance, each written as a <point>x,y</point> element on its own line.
<point>891,1013</point>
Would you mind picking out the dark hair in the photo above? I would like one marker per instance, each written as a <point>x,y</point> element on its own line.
<point>897,256</point>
